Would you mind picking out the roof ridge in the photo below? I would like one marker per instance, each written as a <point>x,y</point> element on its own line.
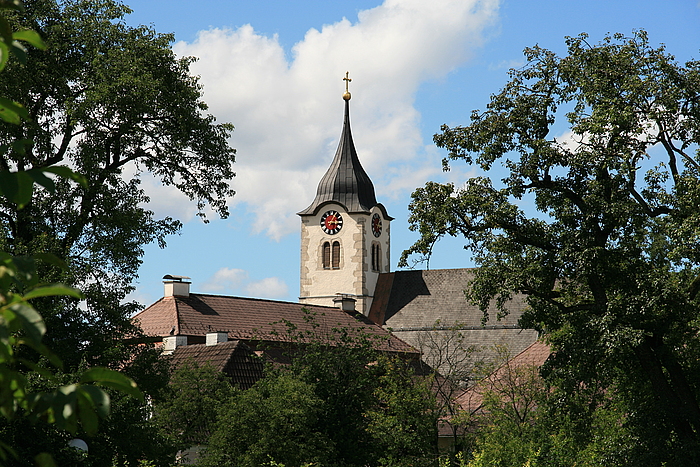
<point>538,341</point>
<point>264,300</point>
<point>146,308</point>
<point>435,270</point>
<point>177,317</point>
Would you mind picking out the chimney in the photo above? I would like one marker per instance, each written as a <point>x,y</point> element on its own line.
<point>170,343</point>
<point>176,285</point>
<point>214,338</point>
<point>345,302</point>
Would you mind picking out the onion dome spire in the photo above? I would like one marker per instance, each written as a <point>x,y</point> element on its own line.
<point>345,182</point>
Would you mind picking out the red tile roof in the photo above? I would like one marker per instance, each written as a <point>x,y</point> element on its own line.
<point>256,319</point>
<point>535,355</point>
<point>233,358</point>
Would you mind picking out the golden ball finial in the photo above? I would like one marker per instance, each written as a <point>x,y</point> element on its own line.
<point>346,96</point>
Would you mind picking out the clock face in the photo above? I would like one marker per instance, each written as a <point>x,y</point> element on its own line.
<point>376,225</point>
<point>331,222</point>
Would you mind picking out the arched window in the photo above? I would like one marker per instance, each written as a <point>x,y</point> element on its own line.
<point>331,255</point>
<point>326,255</point>
<point>336,255</point>
<point>376,258</point>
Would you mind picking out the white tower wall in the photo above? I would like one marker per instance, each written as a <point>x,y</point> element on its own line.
<point>319,286</point>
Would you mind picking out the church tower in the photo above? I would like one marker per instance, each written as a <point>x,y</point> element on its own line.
<point>344,232</point>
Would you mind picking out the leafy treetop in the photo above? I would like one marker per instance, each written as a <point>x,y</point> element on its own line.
<point>609,251</point>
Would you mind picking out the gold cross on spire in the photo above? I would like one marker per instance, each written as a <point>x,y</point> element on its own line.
<point>347,80</point>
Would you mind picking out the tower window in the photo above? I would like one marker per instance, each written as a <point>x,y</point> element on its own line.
<point>331,255</point>
<point>326,255</point>
<point>336,255</point>
<point>376,257</point>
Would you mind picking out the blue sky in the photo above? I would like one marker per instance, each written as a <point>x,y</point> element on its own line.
<point>274,69</point>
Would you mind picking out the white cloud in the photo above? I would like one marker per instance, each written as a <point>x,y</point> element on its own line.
<point>288,113</point>
<point>168,200</point>
<point>230,280</point>
<point>506,65</point>
<point>570,141</point>
<point>270,287</point>
<point>225,279</point>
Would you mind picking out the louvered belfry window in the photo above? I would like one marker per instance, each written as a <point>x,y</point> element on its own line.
<point>336,255</point>
<point>326,255</point>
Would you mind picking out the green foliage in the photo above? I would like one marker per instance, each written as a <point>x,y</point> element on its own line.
<point>342,378</point>
<point>112,102</point>
<point>10,45</point>
<point>403,420</point>
<point>295,418</point>
<point>130,436</point>
<point>454,363</point>
<point>609,261</point>
<point>272,463</point>
<point>99,95</point>
<point>189,411</point>
<point>364,391</point>
<point>274,420</point>
<point>337,402</point>
<point>523,422</point>
<point>67,406</point>
<point>552,438</point>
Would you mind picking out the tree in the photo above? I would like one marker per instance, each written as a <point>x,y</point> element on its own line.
<point>403,420</point>
<point>455,363</point>
<point>102,99</point>
<point>364,391</point>
<point>196,396</point>
<point>108,100</point>
<point>520,422</point>
<point>274,420</point>
<point>296,415</point>
<point>509,426</point>
<point>76,403</point>
<point>608,248</point>
<point>330,399</point>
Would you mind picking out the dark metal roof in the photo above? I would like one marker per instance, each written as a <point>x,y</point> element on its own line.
<point>345,182</point>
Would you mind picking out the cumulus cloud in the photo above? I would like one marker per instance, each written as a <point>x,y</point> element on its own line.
<point>570,141</point>
<point>270,287</point>
<point>225,279</point>
<point>231,280</point>
<point>507,65</point>
<point>288,112</point>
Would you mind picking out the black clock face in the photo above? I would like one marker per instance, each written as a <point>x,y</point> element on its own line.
<point>376,225</point>
<point>332,222</point>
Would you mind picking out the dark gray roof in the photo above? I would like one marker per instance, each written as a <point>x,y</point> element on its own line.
<point>467,349</point>
<point>409,300</point>
<point>428,309</point>
<point>345,182</point>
